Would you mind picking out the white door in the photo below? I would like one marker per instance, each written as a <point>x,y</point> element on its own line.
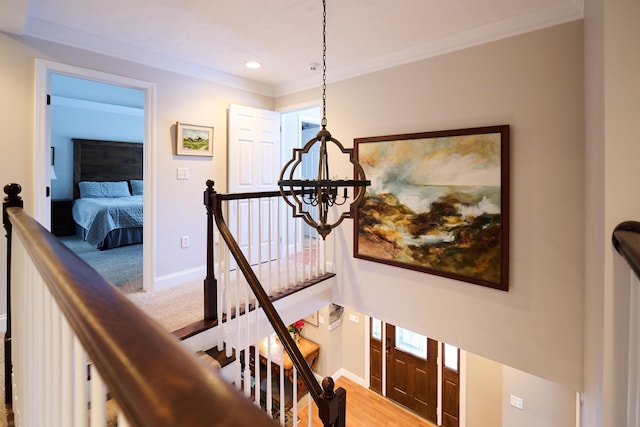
<point>254,166</point>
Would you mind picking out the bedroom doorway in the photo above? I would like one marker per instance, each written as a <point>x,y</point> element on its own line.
<point>77,102</point>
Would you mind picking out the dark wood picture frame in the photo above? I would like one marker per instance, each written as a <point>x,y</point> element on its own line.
<point>438,203</point>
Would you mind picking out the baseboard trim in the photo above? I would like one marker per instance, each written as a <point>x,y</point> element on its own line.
<point>178,278</point>
<point>349,375</point>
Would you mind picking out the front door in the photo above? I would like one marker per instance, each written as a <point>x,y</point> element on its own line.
<point>412,371</point>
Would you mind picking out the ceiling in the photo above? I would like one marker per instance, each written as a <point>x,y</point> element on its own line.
<point>213,39</point>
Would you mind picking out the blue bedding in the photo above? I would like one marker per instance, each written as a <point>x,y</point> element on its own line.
<point>99,216</point>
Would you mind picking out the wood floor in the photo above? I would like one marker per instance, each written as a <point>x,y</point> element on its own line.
<point>367,409</point>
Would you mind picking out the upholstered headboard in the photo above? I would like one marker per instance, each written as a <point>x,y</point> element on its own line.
<point>95,160</point>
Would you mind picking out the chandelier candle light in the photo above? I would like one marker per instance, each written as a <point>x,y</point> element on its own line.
<point>311,199</point>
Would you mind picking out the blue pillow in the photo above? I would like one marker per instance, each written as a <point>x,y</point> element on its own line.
<point>137,187</point>
<point>92,189</point>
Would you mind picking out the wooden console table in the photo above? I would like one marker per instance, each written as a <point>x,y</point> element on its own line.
<point>279,358</point>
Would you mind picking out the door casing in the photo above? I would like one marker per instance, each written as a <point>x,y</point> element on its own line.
<point>41,202</point>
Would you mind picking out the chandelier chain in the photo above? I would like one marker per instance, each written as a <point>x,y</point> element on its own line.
<point>321,193</point>
<point>324,63</point>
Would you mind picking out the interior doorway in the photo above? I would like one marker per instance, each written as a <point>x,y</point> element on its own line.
<point>46,72</point>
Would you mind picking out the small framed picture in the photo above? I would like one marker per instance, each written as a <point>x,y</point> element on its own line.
<point>194,140</point>
<point>312,319</point>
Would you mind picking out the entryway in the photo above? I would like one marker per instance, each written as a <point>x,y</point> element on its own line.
<point>405,365</point>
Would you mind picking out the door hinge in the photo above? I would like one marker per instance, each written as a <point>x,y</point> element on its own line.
<point>48,99</point>
<point>47,191</point>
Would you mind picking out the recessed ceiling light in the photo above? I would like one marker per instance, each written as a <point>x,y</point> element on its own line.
<point>253,64</point>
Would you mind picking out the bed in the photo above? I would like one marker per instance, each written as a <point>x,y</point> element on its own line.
<point>108,192</point>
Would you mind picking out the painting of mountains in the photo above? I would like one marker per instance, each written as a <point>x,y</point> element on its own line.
<point>438,203</point>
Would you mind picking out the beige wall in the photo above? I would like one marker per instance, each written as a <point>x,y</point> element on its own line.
<point>178,204</point>
<point>534,83</point>
<point>544,403</point>
<point>612,89</point>
<point>341,348</point>
<point>483,391</point>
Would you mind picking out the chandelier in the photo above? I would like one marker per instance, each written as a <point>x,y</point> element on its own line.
<point>312,198</point>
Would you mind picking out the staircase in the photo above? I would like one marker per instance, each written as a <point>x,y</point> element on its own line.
<point>269,255</point>
<point>75,344</point>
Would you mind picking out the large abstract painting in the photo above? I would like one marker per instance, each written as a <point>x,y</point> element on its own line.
<point>438,203</point>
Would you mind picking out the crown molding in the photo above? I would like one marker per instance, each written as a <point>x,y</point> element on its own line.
<point>570,10</point>
<point>47,31</point>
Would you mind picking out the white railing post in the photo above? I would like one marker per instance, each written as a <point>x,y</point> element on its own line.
<point>294,260</point>
<point>633,392</point>
<point>50,366</point>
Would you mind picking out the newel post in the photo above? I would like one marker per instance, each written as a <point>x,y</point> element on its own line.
<point>210,282</point>
<point>332,411</point>
<point>12,199</point>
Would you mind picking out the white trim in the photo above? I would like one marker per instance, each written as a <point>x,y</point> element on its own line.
<point>439,391</point>
<point>367,353</point>
<point>349,375</point>
<point>42,141</point>
<point>179,277</point>
<point>549,17</point>
<point>633,386</point>
<point>462,388</point>
<point>553,15</point>
<point>301,107</point>
<point>3,322</point>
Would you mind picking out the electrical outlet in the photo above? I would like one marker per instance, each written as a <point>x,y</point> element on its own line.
<point>184,242</point>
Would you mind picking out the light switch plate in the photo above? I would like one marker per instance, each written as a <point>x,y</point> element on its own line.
<point>517,402</point>
<point>183,173</point>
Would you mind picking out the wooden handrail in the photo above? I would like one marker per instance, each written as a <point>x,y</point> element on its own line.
<point>331,404</point>
<point>626,240</point>
<point>154,379</point>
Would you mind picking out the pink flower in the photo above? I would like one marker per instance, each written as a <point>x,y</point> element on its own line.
<point>296,327</point>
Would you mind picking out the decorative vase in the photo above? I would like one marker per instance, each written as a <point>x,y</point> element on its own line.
<point>295,336</point>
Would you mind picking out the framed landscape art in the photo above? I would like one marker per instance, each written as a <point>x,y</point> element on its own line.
<point>194,140</point>
<point>438,203</point>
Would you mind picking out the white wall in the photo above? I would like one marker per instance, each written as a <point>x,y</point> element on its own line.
<point>534,83</point>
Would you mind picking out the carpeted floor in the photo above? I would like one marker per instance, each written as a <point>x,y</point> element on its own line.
<point>120,266</point>
<point>163,306</point>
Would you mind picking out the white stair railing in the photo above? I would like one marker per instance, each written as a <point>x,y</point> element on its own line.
<point>71,336</point>
<point>285,255</point>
